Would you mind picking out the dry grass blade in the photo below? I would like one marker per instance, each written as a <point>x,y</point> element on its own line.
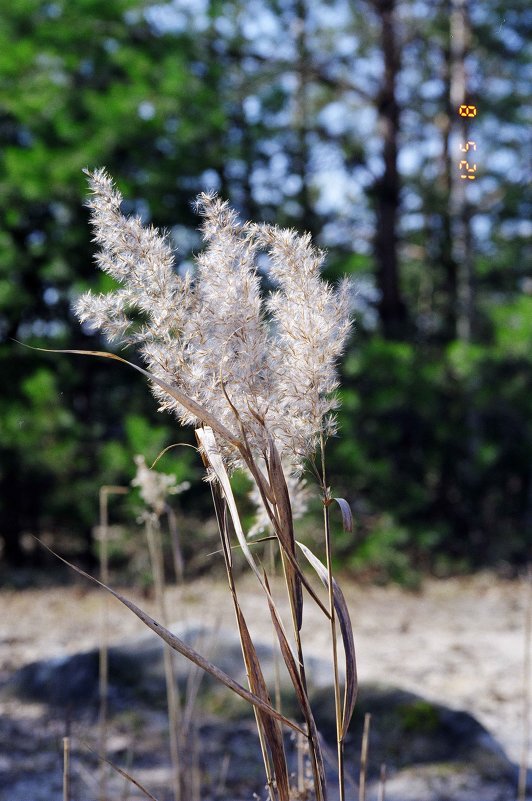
<point>270,734</point>
<point>221,515</point>
<point>213,459</point>
<point>184,649</point>
<point>124,773</point>
<point>270,725</point>
<point>347,515</point>
<point>293,671</point>
<point>210,448</point>
<point>220,509</point>
<point>285,530</point>
<point>340,605</point>
<point>190,404</point>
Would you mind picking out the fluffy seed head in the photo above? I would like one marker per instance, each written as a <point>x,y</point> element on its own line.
<point>262,366</point>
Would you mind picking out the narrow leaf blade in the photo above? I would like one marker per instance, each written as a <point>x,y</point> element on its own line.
<point>211,450</point>
<point>195,408</point>
<point>285,531</point>
<point>346,629</point>
<point>186,650</point>
<point>347,515</point>
<point>292,667</point>
<point>270,726</point>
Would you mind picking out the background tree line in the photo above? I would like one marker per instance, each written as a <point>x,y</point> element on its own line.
<point>335,117</point>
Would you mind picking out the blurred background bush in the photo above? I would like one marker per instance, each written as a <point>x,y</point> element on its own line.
<point>339,118</point>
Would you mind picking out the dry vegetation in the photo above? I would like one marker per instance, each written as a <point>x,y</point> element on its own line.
<point>255,375</point>
<point>458,641</point>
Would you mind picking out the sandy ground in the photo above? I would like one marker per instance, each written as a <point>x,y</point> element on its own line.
<point>460,642</point>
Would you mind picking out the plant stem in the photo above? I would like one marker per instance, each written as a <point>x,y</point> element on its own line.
<point>174,711</point>
<point>66,768</point>
<point>104,646</point>
<point>176,545</point>
<point>103,685</point>
<point>332,613</point>
<point>302,675</point>
<point>364,758</point>
<point>382,783</point>
<point>221,517</point>
<point>276,664</point>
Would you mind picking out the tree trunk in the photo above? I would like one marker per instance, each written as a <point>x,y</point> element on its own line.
<point>12,523</point>
<point>301,157</point>
<point>386,190</point>
<point>446,255</point>
<point>460,206</point>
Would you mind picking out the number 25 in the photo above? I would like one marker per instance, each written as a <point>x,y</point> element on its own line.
<point>464,165</point>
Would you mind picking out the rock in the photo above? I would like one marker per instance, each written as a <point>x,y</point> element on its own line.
<point>455,781</point>
<point>432,752</point>
<point>408,729</point>
<point>136,670</point>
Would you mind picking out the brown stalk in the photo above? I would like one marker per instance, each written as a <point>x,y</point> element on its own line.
<point>276,663</point>
<point>221,516</point>
<point>127,784</point>
<point>66,768</point>
<point>364,758</point>
<point>271,728</point>
<point>270,735</point>
<point>103,682</point>
<point>285,529</point>
<point>212,454</point>
<point>382,783</point>
<point>210,449</point>
<point>176,545</point>
<point>334,642</point>
<point>153,536</point>
<point>333,603</point>
<point>209,446</point>
<point>290,558</point>
<point>302,697</point>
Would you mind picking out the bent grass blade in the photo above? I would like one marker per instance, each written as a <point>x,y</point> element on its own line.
<point>186,650</point>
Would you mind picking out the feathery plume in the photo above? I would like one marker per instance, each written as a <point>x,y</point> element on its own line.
<point>154,486</point>
<point>262,366</point>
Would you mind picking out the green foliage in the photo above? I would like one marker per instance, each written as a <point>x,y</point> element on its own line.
<point>441,442</point>
<point>435,444</point>
<point>80,84</point>
<point>513,327</point>
<point>382,553</point>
